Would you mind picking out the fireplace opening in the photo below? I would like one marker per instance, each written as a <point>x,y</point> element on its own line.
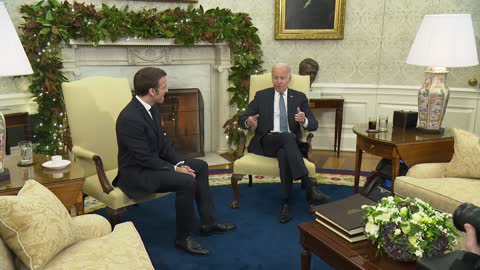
<point>182,121</point>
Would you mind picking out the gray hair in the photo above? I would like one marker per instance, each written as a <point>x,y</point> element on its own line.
<point>283,65</point>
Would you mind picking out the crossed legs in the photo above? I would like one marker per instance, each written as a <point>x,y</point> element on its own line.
<point>284,147</point>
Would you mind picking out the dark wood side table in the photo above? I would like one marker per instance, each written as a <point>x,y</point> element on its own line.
<point>66,183</point>
<point>21,119</point>
<point>332,103</point>
<point>340,254</point>
<point>410,145</point>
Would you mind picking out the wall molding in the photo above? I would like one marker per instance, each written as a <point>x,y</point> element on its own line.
<point>364,100</point>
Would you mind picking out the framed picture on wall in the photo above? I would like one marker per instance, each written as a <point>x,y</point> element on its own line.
<point>309,19</point>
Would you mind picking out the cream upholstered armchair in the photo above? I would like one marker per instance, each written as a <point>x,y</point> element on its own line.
<point>252,164</point>
<point>93,105</point>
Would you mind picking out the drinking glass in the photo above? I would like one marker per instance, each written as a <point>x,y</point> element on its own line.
<point>26,152</point>
<point>372,123</point>
<point>383,122</point>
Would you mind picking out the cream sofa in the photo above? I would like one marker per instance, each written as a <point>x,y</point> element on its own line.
<point>37,232</point>
<point>446,185</point>
<point>428,182</point>
<point>95,251</point>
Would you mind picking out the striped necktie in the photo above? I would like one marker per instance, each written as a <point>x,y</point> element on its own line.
<point>283,114</point>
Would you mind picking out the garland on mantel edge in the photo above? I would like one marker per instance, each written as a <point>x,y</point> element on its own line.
<point>50,25</point>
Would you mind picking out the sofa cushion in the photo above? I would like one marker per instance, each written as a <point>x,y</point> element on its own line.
<point>35,225</point>
<point>262,165</point>
<point>116,198</point>
<point>427,170</point>
<point>121,249</point>
<point>466,159</point>
<point>444,194</point>
<point>7,259</point>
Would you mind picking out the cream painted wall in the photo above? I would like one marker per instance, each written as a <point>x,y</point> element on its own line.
<point>378,35</point>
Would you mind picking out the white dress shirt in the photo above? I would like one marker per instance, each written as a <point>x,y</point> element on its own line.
<point>276,111</point>
<point>146,105</point>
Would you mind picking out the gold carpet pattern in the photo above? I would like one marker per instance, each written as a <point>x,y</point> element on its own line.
<point>322,178</point>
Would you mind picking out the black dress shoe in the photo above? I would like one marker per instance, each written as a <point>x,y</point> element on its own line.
<point>314,194</point>
<point>217,228</point>
<point>285,214</point>
<point>191,246</point>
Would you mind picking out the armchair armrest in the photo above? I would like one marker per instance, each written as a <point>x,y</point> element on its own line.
<point>81,152</point>
<point>91,226</point>
<point>309,141</point>
<point>89,155</point>
<point>427,170</point>
<point>241,146</point>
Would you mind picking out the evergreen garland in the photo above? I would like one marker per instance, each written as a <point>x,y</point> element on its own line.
<point>50,25</point>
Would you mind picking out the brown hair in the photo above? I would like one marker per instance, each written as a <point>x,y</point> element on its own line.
<point>147,78</point>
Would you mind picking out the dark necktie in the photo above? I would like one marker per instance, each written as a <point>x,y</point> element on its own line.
<point>283,114</point>
<point>154,112</point>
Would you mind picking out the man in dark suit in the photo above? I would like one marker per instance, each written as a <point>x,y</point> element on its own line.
<point>279,114</point>
<point>147,162</point>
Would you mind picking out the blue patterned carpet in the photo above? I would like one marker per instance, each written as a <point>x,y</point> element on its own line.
<point>260,241</point>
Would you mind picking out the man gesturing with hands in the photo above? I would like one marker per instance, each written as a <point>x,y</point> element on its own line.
<point>279,114</point>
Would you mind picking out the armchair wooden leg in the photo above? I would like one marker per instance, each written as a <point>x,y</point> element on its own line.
<point>249,180</point>
<point>234,180</point>
<point>114,215</point>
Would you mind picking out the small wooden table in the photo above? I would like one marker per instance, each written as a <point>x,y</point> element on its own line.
<point>66,183</point>
<point>332,103</point>
<point>339,253</point>
<point>410,145</point>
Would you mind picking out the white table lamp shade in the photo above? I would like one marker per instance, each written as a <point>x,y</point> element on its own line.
<point>13,60</point>
<point>444,40</point>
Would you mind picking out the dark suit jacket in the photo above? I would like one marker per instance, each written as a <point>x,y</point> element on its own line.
<point>142,148</point>
<point>263,105</point>
<point>470,261</point>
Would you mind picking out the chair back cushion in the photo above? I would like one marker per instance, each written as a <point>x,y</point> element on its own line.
<point>466,158</point>
<point>259,82</point>
<point>93,105</point>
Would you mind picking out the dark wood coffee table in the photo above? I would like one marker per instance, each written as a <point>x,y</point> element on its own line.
<point>66,183</point>
<point>339,253</point>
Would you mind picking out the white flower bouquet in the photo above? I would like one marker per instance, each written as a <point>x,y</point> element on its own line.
<point>408,229</point>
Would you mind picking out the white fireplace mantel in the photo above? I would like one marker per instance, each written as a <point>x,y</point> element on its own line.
<point>204,66</point>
